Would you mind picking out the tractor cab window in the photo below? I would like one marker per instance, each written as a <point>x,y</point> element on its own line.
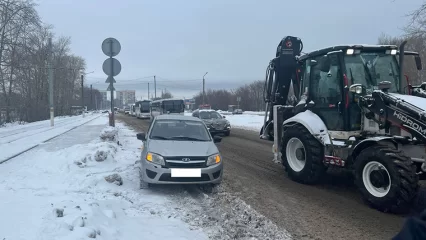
<point>325,91</point>
<point>369,69</point>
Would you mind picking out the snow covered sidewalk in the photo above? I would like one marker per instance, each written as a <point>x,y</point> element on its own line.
<point>78,186</point>
<point>16,139</point>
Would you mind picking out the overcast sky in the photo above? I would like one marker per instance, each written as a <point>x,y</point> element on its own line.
<point>232,40</point>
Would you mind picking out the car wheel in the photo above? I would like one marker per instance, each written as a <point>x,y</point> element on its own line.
<point>227,133</point>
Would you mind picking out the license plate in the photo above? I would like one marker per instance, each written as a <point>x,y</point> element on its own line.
<point>182,172</point>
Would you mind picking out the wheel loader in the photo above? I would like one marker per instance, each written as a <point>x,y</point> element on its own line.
<point>348,109</point>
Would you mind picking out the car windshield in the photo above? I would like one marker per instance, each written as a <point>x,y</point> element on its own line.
<point>144,107</point>
<point>173,106</point>
<point>183,130</point>
<point>369,69</point>
<point>210,115</point>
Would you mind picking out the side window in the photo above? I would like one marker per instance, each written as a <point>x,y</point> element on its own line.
<point>326,85</point>
<point>304,87</point>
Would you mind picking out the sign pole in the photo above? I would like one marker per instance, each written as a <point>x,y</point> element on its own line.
<point>112,88</point>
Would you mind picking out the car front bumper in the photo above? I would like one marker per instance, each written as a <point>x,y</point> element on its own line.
<point>218,131</point>
<point>157,174</point>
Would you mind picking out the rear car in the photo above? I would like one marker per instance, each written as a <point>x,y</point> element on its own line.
<point>216,123</point>
<point>179,150</point>
<point>237,111</point>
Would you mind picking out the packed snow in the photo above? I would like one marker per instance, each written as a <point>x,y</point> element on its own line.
<point>68,189</point>
<point>85,184</point>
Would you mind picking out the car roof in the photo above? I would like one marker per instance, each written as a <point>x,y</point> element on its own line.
<point>176,117</point>
<point>207,110</point>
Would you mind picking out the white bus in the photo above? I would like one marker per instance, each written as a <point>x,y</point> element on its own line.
<point>143,109</point>
<point>167,106</point>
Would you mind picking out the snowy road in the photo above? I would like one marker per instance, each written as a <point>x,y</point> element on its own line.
<point>18,139</point>
<point>330,210</point>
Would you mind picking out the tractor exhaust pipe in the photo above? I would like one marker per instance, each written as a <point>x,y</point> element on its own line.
<point>401,65</point>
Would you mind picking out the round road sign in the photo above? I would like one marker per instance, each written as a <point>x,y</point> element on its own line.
<point>111,47</point>
<point>111,67</point>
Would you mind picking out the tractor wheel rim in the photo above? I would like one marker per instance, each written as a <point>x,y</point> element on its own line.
<point>296,154</point>
<point>371,169</point>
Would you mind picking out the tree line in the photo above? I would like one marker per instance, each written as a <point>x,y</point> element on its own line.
<point>24,53</point>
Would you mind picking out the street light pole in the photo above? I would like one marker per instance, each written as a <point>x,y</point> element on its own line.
<point>204,84</point>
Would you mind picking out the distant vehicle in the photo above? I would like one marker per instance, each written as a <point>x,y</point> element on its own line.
<point>237,111</point>
<point>231,108</point>
<point>105,111</point>
<point>216,123</point>
<point>167,106</point>
<point>132,110</point>
<point>205,106</point>
<point>179,150</point>
<point>143,109</point>
<point>126,110</point>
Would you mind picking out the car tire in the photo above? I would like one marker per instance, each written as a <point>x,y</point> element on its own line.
<point>142,183</point>
<point>227,133</point>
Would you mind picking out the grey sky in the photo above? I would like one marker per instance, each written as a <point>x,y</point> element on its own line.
<point>179,41</point>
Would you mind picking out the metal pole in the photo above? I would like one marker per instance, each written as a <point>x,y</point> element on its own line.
<point>50,76</point>
<point>91,97</point>
<point>148,91</point>
<point>155,88</point>
<point>112,89</point>
<point>82,93</point>
<point>204,84</point>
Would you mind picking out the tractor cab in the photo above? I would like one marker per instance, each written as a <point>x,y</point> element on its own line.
<point>327,75</point>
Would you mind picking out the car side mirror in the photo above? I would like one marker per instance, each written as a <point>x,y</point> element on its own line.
<point>217,139</point>
<point>223,116</point>
<point>141,136</point>
<point>418,61</point>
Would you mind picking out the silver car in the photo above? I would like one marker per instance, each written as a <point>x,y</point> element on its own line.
<point>179,149</point>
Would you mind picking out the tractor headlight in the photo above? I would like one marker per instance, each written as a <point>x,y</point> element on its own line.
<point>214,159</point>
<point>155,158</point>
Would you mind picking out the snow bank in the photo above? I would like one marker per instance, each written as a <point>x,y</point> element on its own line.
<point>248,122</point>
<point>12,124</point>
<point>62,191</point>
<point>225,216</point>
<point>109,134</point>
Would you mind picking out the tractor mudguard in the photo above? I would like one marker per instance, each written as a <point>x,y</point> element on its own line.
<point>371,141</point>
<point>313,123</point>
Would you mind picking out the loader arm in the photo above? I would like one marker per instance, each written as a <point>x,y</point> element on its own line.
<point>388,110</point>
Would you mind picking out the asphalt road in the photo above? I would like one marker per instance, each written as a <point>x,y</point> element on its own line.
<point>329,210</point>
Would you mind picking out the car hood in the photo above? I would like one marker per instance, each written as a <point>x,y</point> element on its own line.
<point>417,101</point>
<point>216,121</point>
<point>182,148</point>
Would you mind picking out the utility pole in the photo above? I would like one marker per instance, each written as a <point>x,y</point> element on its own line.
<point>204,84</point>
<point>91,97</point>
<point>82,93</point>
<point>148,91</point>
<point>155,88</point>
<point>50,76</point>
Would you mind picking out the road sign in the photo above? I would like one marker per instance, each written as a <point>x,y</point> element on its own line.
<point>109,88</point>
<point>111,47</point>
<point>110,79</point>
<point>111,67</point>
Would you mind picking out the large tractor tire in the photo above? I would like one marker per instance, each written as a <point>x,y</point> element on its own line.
<point>302,155</point>
<point>386,178</point>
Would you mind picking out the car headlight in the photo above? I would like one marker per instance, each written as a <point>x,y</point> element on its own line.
<point>214,159</point>
<point>155,158</point>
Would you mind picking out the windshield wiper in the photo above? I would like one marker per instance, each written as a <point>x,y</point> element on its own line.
<point>159,138</point>
<point>188,138</point>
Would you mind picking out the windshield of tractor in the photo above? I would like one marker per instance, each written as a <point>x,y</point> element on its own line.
<point>369,69</point>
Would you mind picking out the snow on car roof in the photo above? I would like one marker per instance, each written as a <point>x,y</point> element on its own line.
<point>176,117</point>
